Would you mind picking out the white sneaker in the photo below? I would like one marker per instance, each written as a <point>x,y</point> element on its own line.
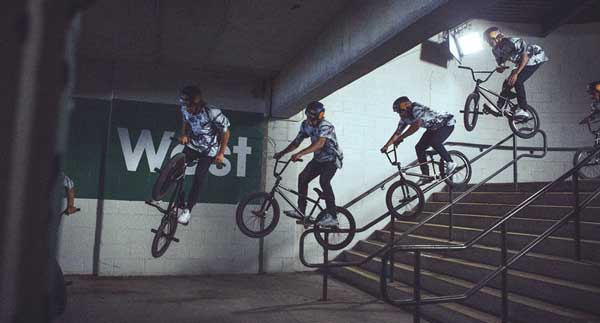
<point>521,114</point>
<point>328,221</point>
<point>450,167</point>
<point>184,217</point>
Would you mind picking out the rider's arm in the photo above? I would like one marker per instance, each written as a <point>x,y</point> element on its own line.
<point>313,147</point>
<point>185,127</point>
<point>412,129</point>
<point>223,143</point>
<point>522,63</point>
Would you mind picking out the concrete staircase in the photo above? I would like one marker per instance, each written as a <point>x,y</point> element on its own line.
<point>546,285</point>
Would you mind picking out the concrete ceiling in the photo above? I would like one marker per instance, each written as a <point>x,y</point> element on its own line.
<point>248,37</point>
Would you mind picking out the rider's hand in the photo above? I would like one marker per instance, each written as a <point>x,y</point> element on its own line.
<point>296,157</point>
<point>501,69</point>
<point>71,209</point>
<point>277,155</point>
<point>220,159</point>
<point>184,140</point>
<point>512,79</point>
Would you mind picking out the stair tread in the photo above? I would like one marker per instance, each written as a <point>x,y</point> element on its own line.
<point>512,205</point>
<point>465,310</point>
<point>531,254</point>
<point>556,309</point>
<point>515,272</point>
<point>497,231</point>
<point>513,218</point>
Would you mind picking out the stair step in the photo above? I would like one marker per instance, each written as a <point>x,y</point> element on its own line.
<point>565,186</point>
<point>558,246</point>
<point>521,308</point>
<point>551,290</point>
<point>589,230</point>
<point>511,198</point>
<point>550,266</point>
<point>589,214</point>
<point>446,312</point>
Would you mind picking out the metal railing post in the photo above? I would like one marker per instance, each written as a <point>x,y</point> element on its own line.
<point>577,231</point>
<point>515,174</point>
<point>450,214</point>
<point>504,275</point>
<point>325,270</point>
<point>392,231</point>
<point>417,287</point>
<point>261,249</point>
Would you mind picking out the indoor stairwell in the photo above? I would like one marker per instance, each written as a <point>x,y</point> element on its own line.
<point>547,284</point>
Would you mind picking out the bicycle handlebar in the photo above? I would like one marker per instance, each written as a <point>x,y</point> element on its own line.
<point>287,163</point>
<point>473,72</point>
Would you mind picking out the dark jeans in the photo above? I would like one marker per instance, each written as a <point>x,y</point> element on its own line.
<point>434,139</point>
<point>325,171</point>
<point>519,87</point>
<point>204,163</point>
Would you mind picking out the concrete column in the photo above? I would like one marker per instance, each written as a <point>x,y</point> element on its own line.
<point>34,76</point>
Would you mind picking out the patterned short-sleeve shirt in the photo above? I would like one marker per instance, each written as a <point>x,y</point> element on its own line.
<point>512,49</point>
<point>206,127</point>
<point>430,119</point>
<point>331,150</point>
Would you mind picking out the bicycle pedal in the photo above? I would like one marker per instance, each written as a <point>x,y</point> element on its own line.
<point>174,239</point>
<point>153,230</point>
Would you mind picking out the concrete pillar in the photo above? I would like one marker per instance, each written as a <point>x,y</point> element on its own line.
<point>34,76</point>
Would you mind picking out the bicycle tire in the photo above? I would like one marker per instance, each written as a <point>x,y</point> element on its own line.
<point>587,171</point>
<point>327,243</point>
<point>462,165</point>
<point>243,208</point>
<point>170,171</point>
<point>166,230</point>
<point>530,130</point>
<point>413,210</point>
<point>471,113</point>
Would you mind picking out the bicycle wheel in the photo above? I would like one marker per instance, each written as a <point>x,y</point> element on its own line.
<point>471,111</point>
<point>525,128</point>
<point>164,234</point>
<point>404,199</point>
<point>339,237</point>
<point>257,215</point>
<point>591,169</point>
<point>168,176</point>
<point>462,172</point>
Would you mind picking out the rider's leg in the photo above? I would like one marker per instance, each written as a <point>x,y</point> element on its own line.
<point>309,173</point>
<point>327,170</point>
<point>520,85</point>
<point>204,163</point>
<point>437,142</point>
<point>420,148</point>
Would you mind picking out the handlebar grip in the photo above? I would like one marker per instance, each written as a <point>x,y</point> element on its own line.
<point>220,165</point>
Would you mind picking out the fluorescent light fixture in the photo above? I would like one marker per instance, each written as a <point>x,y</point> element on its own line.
<point>469,43</point>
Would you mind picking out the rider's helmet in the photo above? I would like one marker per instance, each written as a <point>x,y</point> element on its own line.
<point>593,87</point>
<point>400,100</point>
<point>188,93</point>
<point>315,110</point>
<point>490,34</point>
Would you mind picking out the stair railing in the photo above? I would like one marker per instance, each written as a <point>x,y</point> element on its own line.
<point>417,300</point>
<point>453,201</point>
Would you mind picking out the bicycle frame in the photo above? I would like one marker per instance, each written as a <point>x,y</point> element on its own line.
<point>481,91</point>
<point>403,170</point>
<point>279,189</point>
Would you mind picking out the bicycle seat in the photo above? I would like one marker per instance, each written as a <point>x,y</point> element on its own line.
<point>319,192</point>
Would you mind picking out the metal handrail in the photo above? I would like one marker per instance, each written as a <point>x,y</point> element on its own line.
<point>417,249</point>
<point>385,247</point>
<point>525,148</point>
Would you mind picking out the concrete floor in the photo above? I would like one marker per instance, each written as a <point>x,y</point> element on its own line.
<point>222,298</point>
